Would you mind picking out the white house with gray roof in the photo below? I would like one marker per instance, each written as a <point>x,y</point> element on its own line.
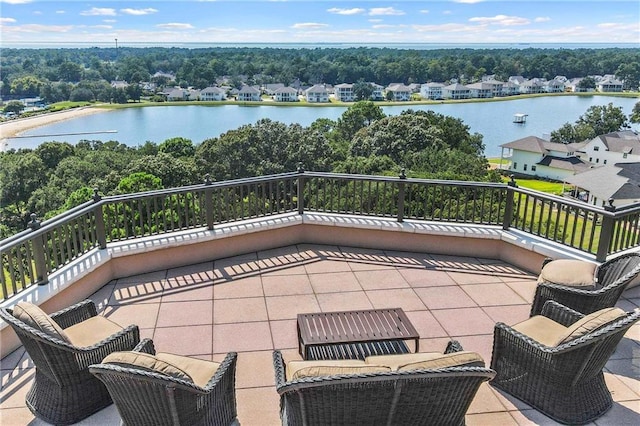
<point>399,92</point>
<point>431,91</point>
<point>480,90</point>
<point>286,94</point>
<point>248,94</point>
<point>541,158</point>
<point>616,147</point>
<point>456,91</point>
<point>344,92</point>
<point>212,94</point>
<point>317,93</point>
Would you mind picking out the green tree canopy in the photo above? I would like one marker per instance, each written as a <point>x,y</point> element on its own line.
<point>597,120</point>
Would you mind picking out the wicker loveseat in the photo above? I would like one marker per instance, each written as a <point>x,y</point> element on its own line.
<point>365,392</point>
<point>62,346</point>
<point>581,286</point>
<point>166,389</point>
<point>554,361</point>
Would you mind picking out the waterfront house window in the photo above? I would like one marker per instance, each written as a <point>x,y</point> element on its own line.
<point>525,167</point>
<point>533,168</point>
<point>597,160</point>
<point>624,155</point>
<point>604,162</point>
<point>596,148</point>
<point>591,159</point>
<point>515,166</point>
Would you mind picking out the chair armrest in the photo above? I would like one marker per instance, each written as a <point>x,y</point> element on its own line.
<point>124,340</point>
<point>509,337</point>
<point>560,313</point>
<point>227,369</point>
<point>74,314</point>
<point>279,368</point>
<point>146,346</point>
<point>453,346</point>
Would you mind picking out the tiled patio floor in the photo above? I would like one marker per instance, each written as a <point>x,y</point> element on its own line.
<point>249,304</point>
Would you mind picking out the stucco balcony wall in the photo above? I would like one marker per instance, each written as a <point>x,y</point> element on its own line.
<point>85,276</point>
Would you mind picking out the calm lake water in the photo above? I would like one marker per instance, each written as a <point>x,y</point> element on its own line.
<point>494,120</point>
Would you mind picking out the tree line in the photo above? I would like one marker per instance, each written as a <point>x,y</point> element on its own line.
<point>85,74</point>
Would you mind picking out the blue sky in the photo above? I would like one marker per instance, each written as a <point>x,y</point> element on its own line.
<point>242,21</point>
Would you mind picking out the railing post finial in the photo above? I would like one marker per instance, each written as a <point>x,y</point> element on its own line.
<point>403,174</point>
<point>96,195</point>
<point>512,181</point>
<point>207,179</point>
<point>300,167</point>
<point>610,207</point>
<point>34,223</point>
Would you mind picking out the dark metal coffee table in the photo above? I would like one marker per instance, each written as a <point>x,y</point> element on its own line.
<point>355,334</point>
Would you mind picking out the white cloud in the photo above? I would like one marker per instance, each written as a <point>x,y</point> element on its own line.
<point>468,1</point>
<point>424,11</point>
<point>16,1</point>
<point>99,11</point>
<point>340,11</point>
<point>382,26</point>
<point>7,20</point>
<point>102,27</point>
<point>385,11</point>
<point>175,26</point>
<point>138,12</point>
<point>500,20</point>
<point>60,12</point>
<point>375,20</point>
<point>37,28</point>
<point>109,21</point>
<point>309,26</point>
<point>542,19</point>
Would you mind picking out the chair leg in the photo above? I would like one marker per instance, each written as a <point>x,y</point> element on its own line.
<point>62,405</point>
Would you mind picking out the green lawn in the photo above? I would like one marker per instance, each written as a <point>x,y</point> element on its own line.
<point>554,188</point>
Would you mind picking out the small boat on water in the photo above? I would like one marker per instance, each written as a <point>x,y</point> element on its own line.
<point>520,118</point>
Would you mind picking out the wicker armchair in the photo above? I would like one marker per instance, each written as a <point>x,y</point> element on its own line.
<point>439,396</point>
<point>612,278</point>
<point>148,397</point>
<point>63,391</point>
<point>565,381</point>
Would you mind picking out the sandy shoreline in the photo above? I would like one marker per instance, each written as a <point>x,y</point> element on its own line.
<point>11,128</point>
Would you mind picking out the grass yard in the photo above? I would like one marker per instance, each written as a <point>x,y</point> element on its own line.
<point>554,188</point>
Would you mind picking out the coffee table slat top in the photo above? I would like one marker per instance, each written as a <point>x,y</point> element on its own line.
<point>355,326</point>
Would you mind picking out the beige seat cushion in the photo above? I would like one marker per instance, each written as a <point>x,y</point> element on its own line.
<point>200,370</point>
<point>35,317</point>
<point>91,331</point>
<point>394,362</point>
<point>147,362</point>
<point>542,330</point>
<point>592,322</point>
<point>301,369</point>
<point>569,272</point>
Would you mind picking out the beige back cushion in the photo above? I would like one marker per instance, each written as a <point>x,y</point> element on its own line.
<point>569,272</point>
<point>35,317</point>
<point>301,369</point>
<point>591,323</point>
<point>147,362</point>
<point>456,359</point>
